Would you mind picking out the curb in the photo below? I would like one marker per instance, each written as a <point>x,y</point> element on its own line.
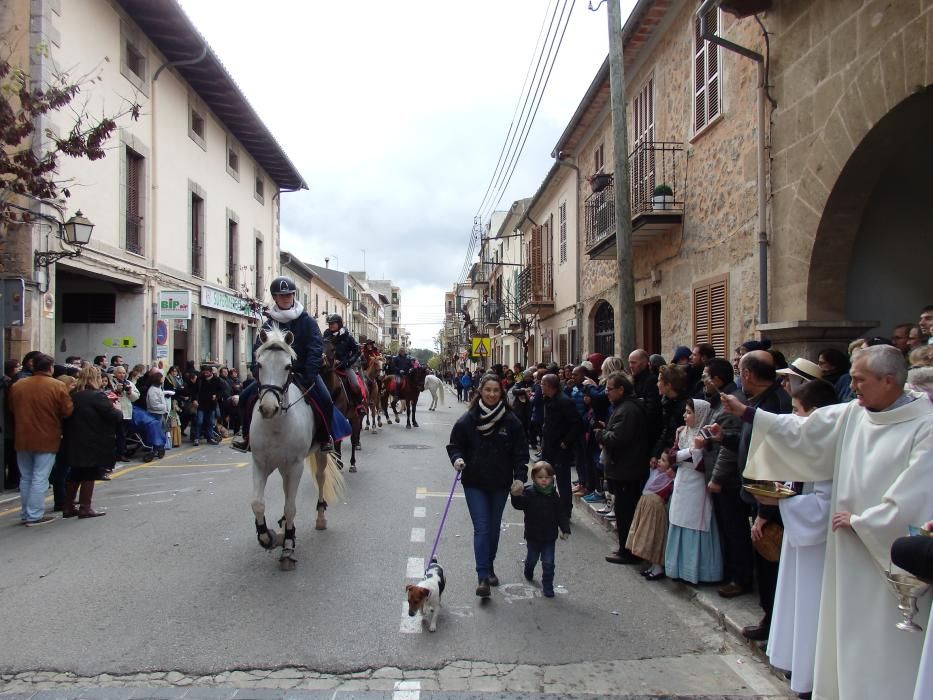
<point>731,615</point>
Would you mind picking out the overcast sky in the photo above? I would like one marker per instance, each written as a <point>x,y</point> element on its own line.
<point>395,112</point>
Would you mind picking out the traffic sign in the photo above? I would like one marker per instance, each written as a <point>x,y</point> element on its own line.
<point>161,332</point>
<point>481,346</point>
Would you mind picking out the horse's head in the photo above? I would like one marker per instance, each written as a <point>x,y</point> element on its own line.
<point>274,358</point>
<point>416,377</point>
<point>328,356</point>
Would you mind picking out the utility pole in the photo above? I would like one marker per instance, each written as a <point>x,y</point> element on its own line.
<point>625,309</point>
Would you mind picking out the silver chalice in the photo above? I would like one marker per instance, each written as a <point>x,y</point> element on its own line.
<point>908,589</point>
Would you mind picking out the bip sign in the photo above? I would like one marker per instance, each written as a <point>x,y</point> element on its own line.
<point>175,304</point>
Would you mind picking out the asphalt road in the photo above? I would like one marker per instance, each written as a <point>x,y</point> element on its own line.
<point>174,580</point>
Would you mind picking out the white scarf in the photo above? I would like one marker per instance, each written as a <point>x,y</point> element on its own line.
<point>489,417</point>
<point>701,411</point>
<point>285,315</point>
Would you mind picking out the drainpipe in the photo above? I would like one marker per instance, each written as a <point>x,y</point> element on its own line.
<point>577,303</point>
<point>762,196</point>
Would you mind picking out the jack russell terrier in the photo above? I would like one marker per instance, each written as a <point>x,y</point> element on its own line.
<point>426,595</point>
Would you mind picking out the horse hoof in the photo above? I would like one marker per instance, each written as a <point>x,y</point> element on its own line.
<point>320,524</point>
<point>352,469</point>
<point>408,426</point>
<point>415,424</point>
<point>287,564</point>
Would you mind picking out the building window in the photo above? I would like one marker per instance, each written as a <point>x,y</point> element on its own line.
<point>598,158</point>
<point>260,191</point>
<point>233,253</point>
<point>233,159</point>
<point>197,126</point>
<point>133,61</point>
<point>642,161</point>
<point>562,219</point>
<point>317,305</point>
<point>604,329</point>
<point>207,338</point>
<point>134,194</point>
<point>89,308</point>
<point>197,235</point>
<point>711,314</point>
<point>706,83</point>
<point>258,264</point>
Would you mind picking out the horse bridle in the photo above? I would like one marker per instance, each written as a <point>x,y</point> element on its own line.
<point>281,392</point>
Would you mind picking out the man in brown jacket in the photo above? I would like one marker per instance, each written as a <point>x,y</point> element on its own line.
<point>39,404</point>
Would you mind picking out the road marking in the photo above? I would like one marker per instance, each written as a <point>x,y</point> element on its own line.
<point>438,494</point>
<point>415,568</point>
<point>407,690</point>
<point>417,534</point>
<point>409,625</point>
<point>420,492</point>
<point>150,493</point>
<point>420,512</point>
<point>194,465</point>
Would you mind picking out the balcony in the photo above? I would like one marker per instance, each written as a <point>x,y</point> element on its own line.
<point>651,164</point>
<point>134,234</point>
<point>491,313</point>
<point>360,309</point>
<point>536,288</point>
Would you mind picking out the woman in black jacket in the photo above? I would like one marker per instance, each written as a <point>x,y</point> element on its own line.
<point>671,385</point>
<point>488,446</point>
<point>88,439</point>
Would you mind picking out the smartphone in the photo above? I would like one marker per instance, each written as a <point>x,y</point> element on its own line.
<point>706,434</point>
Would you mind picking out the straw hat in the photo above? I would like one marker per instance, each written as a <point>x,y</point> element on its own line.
<point>805,369</point>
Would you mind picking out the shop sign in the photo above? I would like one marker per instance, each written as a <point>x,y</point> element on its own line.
<point>224,301</point>
<point>175,304</point>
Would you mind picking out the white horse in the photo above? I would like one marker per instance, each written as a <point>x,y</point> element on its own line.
<point>282,437</point>
<point>434,384</point>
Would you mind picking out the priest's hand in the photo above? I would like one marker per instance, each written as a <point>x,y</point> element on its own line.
<point>842,519</point>
<point>732,405</point>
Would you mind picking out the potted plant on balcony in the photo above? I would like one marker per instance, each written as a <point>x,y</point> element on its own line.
<point>599,180</point>
<point>662,197</point>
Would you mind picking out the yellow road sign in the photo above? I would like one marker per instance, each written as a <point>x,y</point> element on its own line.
<point>480,346</point>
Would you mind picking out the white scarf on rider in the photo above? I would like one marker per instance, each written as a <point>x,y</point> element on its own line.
<point>285,315</point>
<point>489,417</point>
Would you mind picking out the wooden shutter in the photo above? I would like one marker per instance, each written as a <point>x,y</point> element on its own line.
<point>536,276</point>
<point>706,73</point>
<point>711,314</point>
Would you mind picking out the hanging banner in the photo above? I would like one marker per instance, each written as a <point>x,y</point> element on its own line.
<point>175,304</point>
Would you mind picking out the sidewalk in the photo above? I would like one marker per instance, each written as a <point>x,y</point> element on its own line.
<point>732,613</point>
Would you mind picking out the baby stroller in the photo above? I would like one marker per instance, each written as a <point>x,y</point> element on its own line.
<point>145,432</point>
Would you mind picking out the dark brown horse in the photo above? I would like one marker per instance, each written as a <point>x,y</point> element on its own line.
<point>342,400</point>
<point>412,386</point>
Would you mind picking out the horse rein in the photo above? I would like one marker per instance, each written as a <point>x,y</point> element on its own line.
<point>281,392</point>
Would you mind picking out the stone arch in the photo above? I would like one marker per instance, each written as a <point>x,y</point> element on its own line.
<point>601,334</point>
<point>888,101</point>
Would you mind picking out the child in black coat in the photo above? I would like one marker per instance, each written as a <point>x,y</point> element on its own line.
<point>543,518</point>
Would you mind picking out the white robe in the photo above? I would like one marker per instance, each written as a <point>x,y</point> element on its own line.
<point>792,642</point>
<point>881,465</point>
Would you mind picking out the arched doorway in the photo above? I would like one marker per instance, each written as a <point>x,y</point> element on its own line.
<point>876,222</point>
<point>604,329</point>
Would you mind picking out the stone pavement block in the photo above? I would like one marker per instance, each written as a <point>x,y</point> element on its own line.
<point>168,693</point>
<point>106,694</point>
<point>210,693</point>
<point>16,695</point>
<point>259,694</point>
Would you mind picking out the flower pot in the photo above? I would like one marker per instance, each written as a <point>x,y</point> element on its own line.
<point>599,182</point>
<point>662,201</point>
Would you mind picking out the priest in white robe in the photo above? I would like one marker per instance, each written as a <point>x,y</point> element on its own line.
<point>878,451</point>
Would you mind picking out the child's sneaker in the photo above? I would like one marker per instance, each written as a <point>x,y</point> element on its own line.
<point>548,592</point>
<point>529,574</point>
<point>595,497</point>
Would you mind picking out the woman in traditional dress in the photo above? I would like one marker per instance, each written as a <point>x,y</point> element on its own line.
<point>692,553</point>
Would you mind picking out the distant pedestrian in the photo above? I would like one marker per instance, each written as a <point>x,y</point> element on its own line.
<point>543,518</point>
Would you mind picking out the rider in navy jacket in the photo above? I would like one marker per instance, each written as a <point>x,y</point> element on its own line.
<point>308,344</point>
<point>346,354</point>
<point>400,365</point>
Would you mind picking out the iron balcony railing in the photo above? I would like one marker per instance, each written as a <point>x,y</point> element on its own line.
<point>536,284</point>
<point>651,164</point>
<point>360,308</point>
<point>134,234</point>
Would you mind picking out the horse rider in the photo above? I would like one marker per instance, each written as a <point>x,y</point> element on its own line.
<point>346,354</point>
<point>400,366</point>
<point>308,345</point>
<point>370,353</point>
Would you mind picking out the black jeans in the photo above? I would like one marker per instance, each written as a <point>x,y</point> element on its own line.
<point>767,573</point>
<point>738,560</point>
<point>564,487</point>
<point>626,494</point>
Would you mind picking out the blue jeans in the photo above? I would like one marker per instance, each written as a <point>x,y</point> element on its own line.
<point>203,424</point>
<point>486,513</point>
<point>545,552</point>
<point>34,470</point>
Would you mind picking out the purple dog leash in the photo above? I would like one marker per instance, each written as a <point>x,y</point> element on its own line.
<point>440,527</point>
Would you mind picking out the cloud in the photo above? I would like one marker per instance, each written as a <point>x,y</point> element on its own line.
<point>395,114</point>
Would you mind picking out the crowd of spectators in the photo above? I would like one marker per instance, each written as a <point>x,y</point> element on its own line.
<point>656,449</point>
<point>148,411</point>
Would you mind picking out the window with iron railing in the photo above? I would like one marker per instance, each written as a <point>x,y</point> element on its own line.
<point>134,221</point>
<point>197,235</point>
<point>600,215</point>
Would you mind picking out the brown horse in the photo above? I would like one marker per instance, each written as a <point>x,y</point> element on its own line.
<point>373,394</point>
<point>342,400</point>
<point>412,386</point>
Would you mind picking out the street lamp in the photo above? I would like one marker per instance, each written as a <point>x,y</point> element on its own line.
<point>76,231</point>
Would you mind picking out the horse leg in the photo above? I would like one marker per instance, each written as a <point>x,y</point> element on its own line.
<point>267,539</point>
<point>414,409</point>
<point>291,478</point>
<point>320,466</point>
<point>354,444</point>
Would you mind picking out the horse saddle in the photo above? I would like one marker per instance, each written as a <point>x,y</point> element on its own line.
<point>391,384</point>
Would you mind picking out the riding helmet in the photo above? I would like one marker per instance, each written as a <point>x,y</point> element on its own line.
<point>335,318</point>
<point>282,285</point>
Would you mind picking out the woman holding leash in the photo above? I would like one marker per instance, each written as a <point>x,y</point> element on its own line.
<point>488,446</point>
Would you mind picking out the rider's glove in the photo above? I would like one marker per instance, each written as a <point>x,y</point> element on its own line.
<point>459,464</point>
